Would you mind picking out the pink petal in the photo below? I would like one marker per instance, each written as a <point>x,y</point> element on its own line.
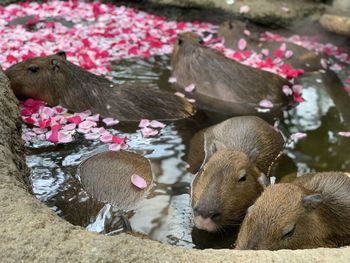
<point>324,63</point>
<point>87,125</point>
<point>191,100</point>
<point>124,146</point>
<point>39,130</point>
<point>52,136</point>
<point>106,138</point>
<point>244,9</point>
<point>298,135</point>
<point>172,80</point>
<point>336,67</point>
<point>147,132</point>
<point>190,88</point>
<point>91,136</point>
<point>246,32</point>
<point>288,54</point>
<point>285,9</point>
<point>84,130</point>
<point>242,44</point>
<point>69,127</point>
<point>179,94</point>
<point>297,88</point>
<point>99,130</point>
<point>75,119</point>
<point>110,121</point>
<point>114,147</point>
<point>144,123</point>
<point>156,124</point>
<point>95,118</point>
<point>64,137</point>
<point>138,181</point>
<point>59,110</point>
<point>266,104</point>
<point>344,134</point>
<point>287,90</point>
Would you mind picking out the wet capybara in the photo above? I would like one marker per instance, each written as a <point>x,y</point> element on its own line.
<point>57,81</point>
<point>311,212</point>
<point>223,84</point>
<point>302,58</point>
<point>238,155</point>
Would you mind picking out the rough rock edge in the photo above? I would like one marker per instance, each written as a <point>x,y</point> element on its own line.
<point>30,232</point>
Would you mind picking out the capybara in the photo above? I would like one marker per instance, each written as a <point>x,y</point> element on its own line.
<point>302,58</point>
<point>57,81</point>
<point>223,84</point>
<point>313,211</point>
<point>238,155</point>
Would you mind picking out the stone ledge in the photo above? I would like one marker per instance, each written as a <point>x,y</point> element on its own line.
<point>30,232</point>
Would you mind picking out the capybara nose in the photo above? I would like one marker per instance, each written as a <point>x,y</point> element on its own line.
<point>214,215</point>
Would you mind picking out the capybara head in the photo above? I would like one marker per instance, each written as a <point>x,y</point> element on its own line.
<point>223,190</point>
<point>186,40</point>
<point>31,78</point>
<point>284,217</point>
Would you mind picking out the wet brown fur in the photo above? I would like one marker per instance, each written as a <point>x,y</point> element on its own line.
<point>280,207</point>
<point>233,31</point>
<point>59,81</point>
<point>240,143</point>
<point>221,83</point>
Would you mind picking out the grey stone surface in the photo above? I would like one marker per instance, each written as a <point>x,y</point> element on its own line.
<point>265,12</point>
<point>30,232</point>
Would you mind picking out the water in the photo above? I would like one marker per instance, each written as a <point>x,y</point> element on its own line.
<point>165,214</point>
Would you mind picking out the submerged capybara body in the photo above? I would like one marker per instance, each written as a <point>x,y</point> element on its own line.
<point>58,81</point>
<point>311,212</point>
<point>302,58</point>
<point>223,84</point>
<point>238,155</point>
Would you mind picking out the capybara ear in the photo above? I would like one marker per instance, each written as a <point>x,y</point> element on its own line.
<point>311,202</point>
<point>210,147</point>
<point>253,156</point>
<point>62,54</point>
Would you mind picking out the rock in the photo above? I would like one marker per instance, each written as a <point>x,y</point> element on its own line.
<point>336,24</point>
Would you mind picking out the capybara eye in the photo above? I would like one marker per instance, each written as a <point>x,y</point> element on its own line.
<point>288,232</point>
<point>200,41</point>
<point>179,41</point>
<point>33,69</point>
<point>242,179</point>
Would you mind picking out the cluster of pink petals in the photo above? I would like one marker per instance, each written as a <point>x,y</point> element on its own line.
<point>149,128</point>
<point>57,126</point>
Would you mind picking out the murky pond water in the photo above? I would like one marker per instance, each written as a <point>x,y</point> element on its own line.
<point>165,215</point>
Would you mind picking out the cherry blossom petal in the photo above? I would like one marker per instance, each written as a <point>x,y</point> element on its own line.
<point>266,104</point>
<point>92,136</point>
<point>114,147</point>
<point>298,136</point>
<point>64,137</point>
<point>156,124</point>
<point>287,90</point>
<point>179,94</point>
<point>190,88</point>
<point>147,132</point>
<point>110,121</point>
<point>144,123</point>
<point>172,80</point>
<point>344,134</point>
<point>242,44</point>
<point>244,9</point>
<point>106,138</point>
<point>138,181</point>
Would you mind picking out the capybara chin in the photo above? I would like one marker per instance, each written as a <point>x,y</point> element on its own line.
<point>238,155</point>
<point>58,81</point>
<point>311,212</point>
<point>223,84</point>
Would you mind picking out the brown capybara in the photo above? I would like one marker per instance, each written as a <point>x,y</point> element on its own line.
<point>311,212</point>
<point>233,31</point>
<point>238,155</point>
<point>223,84</point>
<point>57,81</point>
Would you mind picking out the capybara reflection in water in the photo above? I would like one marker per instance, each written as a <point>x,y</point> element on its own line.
<point>311,212</point>
<point>302,58</point>
<point>238,155</point>
<point>223,84</point>
<point>57,81</point>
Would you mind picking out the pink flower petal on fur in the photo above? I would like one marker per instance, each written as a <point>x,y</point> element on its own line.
<point>172,80</point>
<point>242,44</point>
<point>244,9</point>
<point>344,134</point>
<point>156,124</point>
<point>288,54</point>
<point>324,63</point>
<point>110,121</point>
<point>179,94</point>
<point>138,181</point>
<point>266,104</point>
<point>144,123</point>
<point>190,88</point>
<point>287,90</point>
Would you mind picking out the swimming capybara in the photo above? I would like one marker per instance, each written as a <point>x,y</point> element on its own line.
<point>57,81</point>
<point>302,58</point>
<point>311,212</point>
<point>238,155</point>
<point>223,84</point>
